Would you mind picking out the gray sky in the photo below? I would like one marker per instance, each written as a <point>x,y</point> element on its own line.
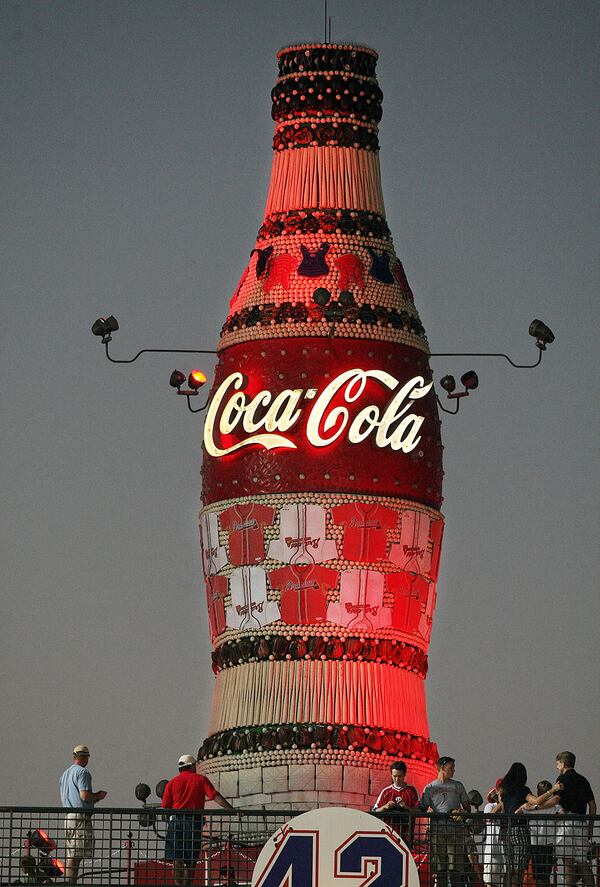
<point>135,157</point>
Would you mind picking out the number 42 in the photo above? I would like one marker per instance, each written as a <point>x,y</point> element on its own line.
<point>376,857</point>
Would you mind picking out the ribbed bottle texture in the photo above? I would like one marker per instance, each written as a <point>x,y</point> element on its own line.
<point>320,527</point>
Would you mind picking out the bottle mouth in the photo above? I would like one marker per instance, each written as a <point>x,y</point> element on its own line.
<point>312,59</point>
<point>353,47</point>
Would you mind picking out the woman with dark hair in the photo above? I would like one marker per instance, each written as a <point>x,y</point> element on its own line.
<point>514,832</point>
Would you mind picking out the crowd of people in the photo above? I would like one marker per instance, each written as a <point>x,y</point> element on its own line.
<point>512,838</point>
<point>517,837</point>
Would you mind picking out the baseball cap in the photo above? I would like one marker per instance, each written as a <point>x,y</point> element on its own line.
<point>494,790</point>
<point>81,750</point>
<point>186,761</point>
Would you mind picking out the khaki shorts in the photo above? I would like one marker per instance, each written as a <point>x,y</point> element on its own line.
<point>80,836</point>
<point>448,851</point>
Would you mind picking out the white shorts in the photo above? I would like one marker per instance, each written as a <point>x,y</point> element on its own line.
<point>493,867</point>
<point>572,839</point>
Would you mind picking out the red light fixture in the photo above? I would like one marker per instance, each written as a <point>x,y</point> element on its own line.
<point>196,379</point>
<point>52,868</point>
<point>40,840</point>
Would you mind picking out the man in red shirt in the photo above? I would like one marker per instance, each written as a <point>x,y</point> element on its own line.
<point>187,791</point>
<point>397,797</point>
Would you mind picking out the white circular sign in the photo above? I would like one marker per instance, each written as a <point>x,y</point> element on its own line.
<point>335,847</point>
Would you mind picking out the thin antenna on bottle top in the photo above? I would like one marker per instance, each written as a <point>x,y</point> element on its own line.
<point>326,18</point>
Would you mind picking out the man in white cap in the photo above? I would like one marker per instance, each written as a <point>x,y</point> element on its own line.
<point>76,792</point>
<point>187,791</point>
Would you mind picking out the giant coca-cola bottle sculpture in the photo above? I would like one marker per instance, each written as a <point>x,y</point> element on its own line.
<point>322,471</point>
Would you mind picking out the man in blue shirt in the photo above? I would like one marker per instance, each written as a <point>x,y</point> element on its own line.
<point>76,792</point>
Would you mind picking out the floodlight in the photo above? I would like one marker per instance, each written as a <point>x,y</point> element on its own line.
<point>40,840</point>
<point>160,788</point>
<point>542,334</point>
<point>448,383</point>
<point>104,326</point>
<point>196,379</point>
<point>51,867</point>
<point>470,380</point>
<point>142,791</point>
<point>177,379</point>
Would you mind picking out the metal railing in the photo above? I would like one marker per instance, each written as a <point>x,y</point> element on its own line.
<point>213,848</point>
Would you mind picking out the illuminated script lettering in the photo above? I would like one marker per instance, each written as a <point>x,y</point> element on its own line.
<point>266,419</point>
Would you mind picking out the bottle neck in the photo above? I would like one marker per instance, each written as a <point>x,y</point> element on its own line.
<point>325,177</point>
<point>326,108</point>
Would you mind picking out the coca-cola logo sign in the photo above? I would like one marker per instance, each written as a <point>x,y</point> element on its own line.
<point>272,420</point>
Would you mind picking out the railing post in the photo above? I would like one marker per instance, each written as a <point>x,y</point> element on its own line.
<point>129,846</point>
<point>209,852</point>
<point>110,840</point>
<point>10,843</point>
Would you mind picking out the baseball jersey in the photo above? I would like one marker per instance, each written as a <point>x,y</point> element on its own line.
<point>214,556</point>
<point>412,552</point>
<point>303,592</point>
<point>410,599</point>
<point>302,536</point>
<point>249,605</point>
<point>365,525</point>
<point>427,618</point>
<point>244,524</point>
<point>216,592</point>
<point>361,601</point>
<point>407,794</point>
<point>437,528</point>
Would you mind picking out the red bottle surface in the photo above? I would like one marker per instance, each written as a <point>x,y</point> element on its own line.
<point>320,526</point>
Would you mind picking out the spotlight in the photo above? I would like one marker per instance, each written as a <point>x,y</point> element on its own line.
<point>542,334</point>
<point>98,327</point>
<point>104,326</point>
<point>40,840</point>
<point>177,379</point>
<point>142,791</point>
<point>196,379</point>
<point>28,866</point>
<point>470,380</point>
<point>147,818</point>
<point>448,383</point>
<point>51,868</point>
<point>160,787</point>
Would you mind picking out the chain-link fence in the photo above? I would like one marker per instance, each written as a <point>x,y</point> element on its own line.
<point>219,849</point>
